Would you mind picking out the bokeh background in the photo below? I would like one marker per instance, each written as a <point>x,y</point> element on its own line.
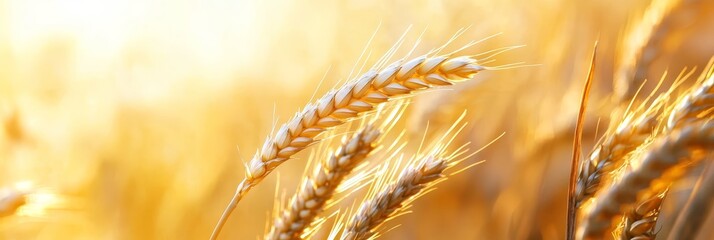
<point>129,119</point>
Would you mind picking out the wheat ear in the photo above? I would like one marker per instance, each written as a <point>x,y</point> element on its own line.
<point>345,103</point>
<point>666,153</point>
<point>640,221</point>
<point>318,188</point>
<point>635,129</point>
<point>412,180</point>
<point>610,153</point>
<point>695,105</point>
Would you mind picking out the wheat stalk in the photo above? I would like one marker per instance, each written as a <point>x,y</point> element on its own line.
<point>317,189</point>
<point>375,211</point>
<point>667,153</point>
<point>345,103</point>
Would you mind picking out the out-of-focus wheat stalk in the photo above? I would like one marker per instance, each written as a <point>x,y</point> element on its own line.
<point>642,44</point>
<point>697,208</point>
<point>345,103</point>
<point>10,200</point>
<point>317,189</point>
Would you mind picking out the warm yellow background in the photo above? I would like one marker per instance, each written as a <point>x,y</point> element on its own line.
<point>137,113</point>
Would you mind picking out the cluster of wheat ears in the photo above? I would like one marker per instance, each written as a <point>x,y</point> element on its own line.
<point>617,189</point>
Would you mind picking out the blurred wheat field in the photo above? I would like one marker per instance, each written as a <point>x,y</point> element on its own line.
<point>133,119</point>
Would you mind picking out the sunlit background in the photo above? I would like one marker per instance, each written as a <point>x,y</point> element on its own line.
<point>131,119</point>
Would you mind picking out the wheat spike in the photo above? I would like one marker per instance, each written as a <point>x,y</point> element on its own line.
<point>611,151</point>
<point>688,109</point>
<point>639,222</point>
<point>695,105</point>
<point>317,189</point>
<point>665,154</point>
<point>637,127</point>
<point>373,212</point>
<point>345,103</point>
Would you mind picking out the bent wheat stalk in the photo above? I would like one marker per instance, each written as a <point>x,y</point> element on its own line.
<point>317,189</point>
<point>389,201</point>
<point>346,103</point>
<point>668,152</point>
